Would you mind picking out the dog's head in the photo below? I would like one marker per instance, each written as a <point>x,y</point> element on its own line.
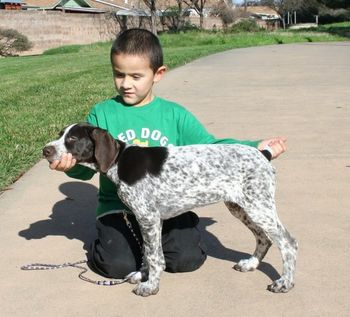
<point>87,144</point>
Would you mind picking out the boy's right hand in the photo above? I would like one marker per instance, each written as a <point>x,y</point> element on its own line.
<point>65,164</point>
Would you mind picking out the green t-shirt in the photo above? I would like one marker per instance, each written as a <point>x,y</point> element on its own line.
<point>159,123</point>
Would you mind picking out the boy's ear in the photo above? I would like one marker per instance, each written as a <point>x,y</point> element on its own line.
<point>159,73</point>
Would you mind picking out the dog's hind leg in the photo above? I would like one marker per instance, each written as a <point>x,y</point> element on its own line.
<point>263,218</point>
<point>288,247</point>
<point>263,242</point>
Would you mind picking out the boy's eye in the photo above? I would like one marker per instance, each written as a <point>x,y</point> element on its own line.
<point>119,75</point>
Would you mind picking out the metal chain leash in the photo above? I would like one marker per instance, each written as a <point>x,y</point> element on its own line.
<point>129,225</point>
<point>42,266</point>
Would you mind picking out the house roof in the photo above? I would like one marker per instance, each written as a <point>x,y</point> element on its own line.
<point>111,4</point>
<point>263,10</point>
<point>100,5</point>
<point>11,1</point>
<point>41,3</point>
<point>165,4</point>
<point>92,4</point>
<point>134,12</point>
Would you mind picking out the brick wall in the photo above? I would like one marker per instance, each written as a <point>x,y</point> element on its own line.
<point>49,29</point>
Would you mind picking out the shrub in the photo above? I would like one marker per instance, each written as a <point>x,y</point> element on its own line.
<point>246,25</point>
<point>67,49</point>
<point>327,16</point>
<point>12,42</point>
<point>224,12</point>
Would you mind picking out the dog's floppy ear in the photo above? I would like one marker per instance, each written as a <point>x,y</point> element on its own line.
<point>106,149</point>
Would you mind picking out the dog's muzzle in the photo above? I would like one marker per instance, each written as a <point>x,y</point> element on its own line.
<point>49,152</point>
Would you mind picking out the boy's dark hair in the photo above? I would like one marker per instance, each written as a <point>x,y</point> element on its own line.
<point>139,42</point>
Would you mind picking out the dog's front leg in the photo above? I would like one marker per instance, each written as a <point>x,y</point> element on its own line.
<point>153,256</point>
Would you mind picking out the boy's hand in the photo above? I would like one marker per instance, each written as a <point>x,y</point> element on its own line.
<point>65,164</point>
<point>277,145</point>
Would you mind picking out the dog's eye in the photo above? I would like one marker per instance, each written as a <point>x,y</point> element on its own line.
<point>72,138</point>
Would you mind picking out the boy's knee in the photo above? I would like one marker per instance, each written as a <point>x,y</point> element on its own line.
<point>185,260</point>
<point>184,250</point>
<point>111,266</point>
<point>115,253</point>
<point>115,270</point>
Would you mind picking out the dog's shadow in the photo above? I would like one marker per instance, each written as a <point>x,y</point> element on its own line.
<point>75,218</point>
<point>217,250</point>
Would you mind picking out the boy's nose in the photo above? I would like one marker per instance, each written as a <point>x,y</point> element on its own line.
<point>126,83</point>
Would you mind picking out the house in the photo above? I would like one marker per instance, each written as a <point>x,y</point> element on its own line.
<point>11,4</point>
<point>135,9</point>
<point>265,17</point>
<point>83,6</point>
<point>100,6</point>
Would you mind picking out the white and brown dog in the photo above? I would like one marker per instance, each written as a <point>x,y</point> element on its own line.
<point>158,183</point>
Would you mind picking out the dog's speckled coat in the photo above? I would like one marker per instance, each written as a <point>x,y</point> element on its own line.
<point>159,183</point>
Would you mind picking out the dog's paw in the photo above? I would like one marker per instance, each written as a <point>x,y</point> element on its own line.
<point>247,265</point>
<point>281,285</point>
<point>146,289</point>
<point>134,277</point>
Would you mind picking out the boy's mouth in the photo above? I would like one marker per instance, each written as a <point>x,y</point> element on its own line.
<point>127,93</point>
<point>130,96</point>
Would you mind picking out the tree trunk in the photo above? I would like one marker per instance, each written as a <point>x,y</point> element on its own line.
<point>151,4</point>
<point>154,23</point>
<point>201,20</point>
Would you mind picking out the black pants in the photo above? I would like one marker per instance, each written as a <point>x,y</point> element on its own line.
<point>116,252</point>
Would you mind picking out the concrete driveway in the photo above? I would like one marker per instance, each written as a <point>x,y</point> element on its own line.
<point>299,91</point>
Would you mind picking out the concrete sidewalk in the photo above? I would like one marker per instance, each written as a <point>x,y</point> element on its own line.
<point>300,91</point>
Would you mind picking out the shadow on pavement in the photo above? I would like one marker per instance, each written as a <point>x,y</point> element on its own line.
<point>74,218</point>
<point>217,250</point>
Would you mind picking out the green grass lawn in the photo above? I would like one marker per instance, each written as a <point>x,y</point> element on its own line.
<point>41,94</point>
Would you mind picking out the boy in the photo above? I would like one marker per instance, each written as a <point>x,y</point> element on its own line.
<point>136,116</point>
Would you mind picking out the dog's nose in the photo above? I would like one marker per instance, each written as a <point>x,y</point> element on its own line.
<point>48,151</point>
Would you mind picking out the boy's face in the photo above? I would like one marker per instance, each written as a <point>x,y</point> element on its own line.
<point>134,78</point>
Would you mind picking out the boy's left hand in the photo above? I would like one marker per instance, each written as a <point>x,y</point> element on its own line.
<point>277,146</point>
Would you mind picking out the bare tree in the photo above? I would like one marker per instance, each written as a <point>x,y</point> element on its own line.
<point>199,6</point>
<point>226,13</point>
<point>174,17</point>
<point>181,13</point>
<point>151,4</point>
<point>283,6</point>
